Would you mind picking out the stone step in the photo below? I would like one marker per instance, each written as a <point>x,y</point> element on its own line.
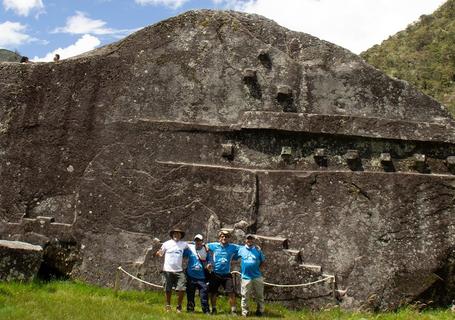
<point>292,251</point>
<point>312,267</point>
<point>20,261</point>
<point>40,219</point>
<point>272,243</point>
<point>45,219</point>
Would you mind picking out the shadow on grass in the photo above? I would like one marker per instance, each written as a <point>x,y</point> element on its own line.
<point>5,292</point>
<point>271,314</point>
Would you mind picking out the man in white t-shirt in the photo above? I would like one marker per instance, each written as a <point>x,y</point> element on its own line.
<point>174,277</point>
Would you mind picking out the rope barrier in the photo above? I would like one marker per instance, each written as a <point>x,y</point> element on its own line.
<point>233,272</point>
<point>138,279</point>
<point>293,285</point>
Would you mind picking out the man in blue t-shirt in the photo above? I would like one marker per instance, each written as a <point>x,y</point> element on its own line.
<point>220,256</point>
<point>252,259</point>
<point>195,274</point>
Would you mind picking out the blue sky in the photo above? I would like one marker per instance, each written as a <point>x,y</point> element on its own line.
<point>40,28</point>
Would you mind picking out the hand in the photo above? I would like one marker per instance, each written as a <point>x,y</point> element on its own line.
<point>209,267</point>
<point>261,267</point>
<point>159,253</point>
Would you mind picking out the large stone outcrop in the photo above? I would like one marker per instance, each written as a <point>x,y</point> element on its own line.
<point>224,119</point>
<point>19,261</point>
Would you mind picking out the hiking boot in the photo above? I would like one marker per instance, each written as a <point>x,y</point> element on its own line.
<point>214,311</point>
<point>190,307</point>
<point>167,308</point>
<point>258,313</point>
<point>179,309</point>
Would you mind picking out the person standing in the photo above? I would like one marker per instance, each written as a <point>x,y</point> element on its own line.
<point>221,254</point>
<point>195,274</point>
<point>252,259</point>
<point>174,277</point>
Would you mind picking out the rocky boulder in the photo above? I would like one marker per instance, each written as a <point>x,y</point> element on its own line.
<point>19,261</point>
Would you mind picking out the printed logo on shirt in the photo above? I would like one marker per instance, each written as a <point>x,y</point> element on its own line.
<point>175,252</point>
<point>251,258</point>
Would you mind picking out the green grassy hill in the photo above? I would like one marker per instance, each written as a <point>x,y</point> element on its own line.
<point>423,55</point>
<point>10,56</point>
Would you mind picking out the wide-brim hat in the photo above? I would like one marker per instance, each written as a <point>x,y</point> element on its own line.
<point>227,233</point>
<point>177,230</point>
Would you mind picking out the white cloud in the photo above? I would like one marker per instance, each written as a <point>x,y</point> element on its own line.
<point>353,24</point>
<point>173,4</point>
<point>23,7</point>
<point>12,34</point>
<point>81,24</point>
<point>233,4</point>
<point>86,43</point>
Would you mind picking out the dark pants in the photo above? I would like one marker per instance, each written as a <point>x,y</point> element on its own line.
<point>191,285</point>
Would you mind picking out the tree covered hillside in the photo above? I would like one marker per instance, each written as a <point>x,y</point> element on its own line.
<point>423,55</point>
<point>10,56</point>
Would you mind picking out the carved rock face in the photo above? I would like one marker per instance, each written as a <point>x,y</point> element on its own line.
<point>226,120</point>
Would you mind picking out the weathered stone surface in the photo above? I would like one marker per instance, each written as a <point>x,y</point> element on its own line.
<point>19,261</point>
<point>381,234</point>
<point>211,120</point>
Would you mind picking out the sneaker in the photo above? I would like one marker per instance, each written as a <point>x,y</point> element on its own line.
<point>258,313</point>
<point>168,308</point>
<point>206,311</point>
<point>179,309</point>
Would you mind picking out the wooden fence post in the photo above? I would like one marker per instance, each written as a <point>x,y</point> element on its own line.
<point>117,281</point>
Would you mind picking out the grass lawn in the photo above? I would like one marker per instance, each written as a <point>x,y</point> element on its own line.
<point>64,300</point>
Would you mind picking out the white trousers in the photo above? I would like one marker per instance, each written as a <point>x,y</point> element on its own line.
<point>253,287</point>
